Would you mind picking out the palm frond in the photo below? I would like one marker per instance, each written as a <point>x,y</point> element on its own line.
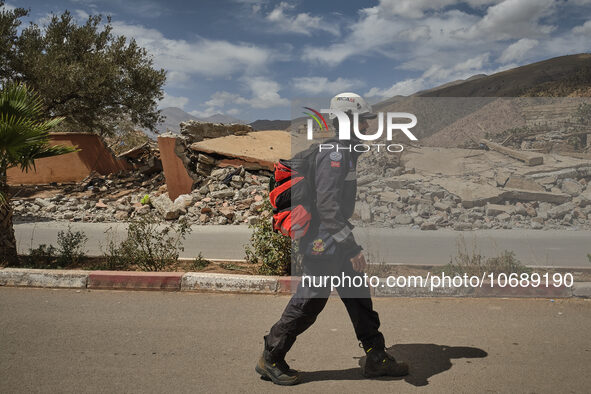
<point>19,101</point>
<point>24,134</point>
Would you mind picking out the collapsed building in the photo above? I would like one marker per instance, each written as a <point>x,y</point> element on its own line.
<point>219,174</point>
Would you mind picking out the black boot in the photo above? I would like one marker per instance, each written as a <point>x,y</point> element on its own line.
<point>379,363</point>
<point>278,372</point>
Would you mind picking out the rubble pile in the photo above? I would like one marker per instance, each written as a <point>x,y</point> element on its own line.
<point>98,198</point>
<point>394,197</point>
<point>421,204</point>
<point>226,196</point>
<point>144,158</point>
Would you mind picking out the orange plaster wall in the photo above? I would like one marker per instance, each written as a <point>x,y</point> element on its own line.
<point>72,167</point>
<point>178,180</point>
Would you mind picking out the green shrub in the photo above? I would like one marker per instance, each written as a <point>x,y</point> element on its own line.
<point>148,246</point>
<point>112,254</point>
<point>43,256</point>
<point>70,247</point>
<point>267,247</point>
<point>199,263</point>
<point>230,267</point>
<point>70,251</point>
<point>471,262</point>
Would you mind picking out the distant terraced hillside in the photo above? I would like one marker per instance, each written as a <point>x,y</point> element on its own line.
<point>557,77</point>
<point>471,110</point>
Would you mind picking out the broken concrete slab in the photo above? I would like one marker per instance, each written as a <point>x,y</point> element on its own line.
<point>559,174</point>
<point>502,177</point>
<point>529,158</point>
<point>254,151</point>
<point>199,131</point>
<point>528,195</point>
<point>471,194</point>
<point>523,183</point>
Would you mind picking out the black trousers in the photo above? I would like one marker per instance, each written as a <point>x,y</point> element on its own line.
<point>308,301</point>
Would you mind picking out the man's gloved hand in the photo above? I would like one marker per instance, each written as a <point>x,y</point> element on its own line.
<point>359,263</point>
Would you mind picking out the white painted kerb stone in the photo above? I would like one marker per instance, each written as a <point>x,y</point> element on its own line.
<point>195,281</point>
<point>43,278</point>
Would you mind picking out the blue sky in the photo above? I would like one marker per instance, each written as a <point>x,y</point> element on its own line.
<point>249,58</point>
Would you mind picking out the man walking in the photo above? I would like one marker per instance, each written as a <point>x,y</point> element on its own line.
<point>329,248</point>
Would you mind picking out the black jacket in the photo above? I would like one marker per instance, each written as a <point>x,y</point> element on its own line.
<point>335,179</point>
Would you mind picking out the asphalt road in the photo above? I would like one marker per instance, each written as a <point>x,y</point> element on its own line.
<point>69,341</point>
<point>559,248</point>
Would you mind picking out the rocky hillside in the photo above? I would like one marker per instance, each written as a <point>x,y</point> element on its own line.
<point>557,77</point>
<point>461,112</point>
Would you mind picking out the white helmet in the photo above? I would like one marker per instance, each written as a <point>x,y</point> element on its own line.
<point>351,102</point>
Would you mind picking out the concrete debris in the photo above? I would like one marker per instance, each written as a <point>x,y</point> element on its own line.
<point>523,183</point>
<point>253,151</point>
<point>529,158</point>
<point>527,195</point>
<point>166,208</point>
<point>211,203</point>
<point>198,131</point>
<point>454,189</point>
<point>425,188</point>
<point>495,209</point>
<point>571,187</point>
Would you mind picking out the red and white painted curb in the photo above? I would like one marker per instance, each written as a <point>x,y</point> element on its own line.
<point>255,284</point>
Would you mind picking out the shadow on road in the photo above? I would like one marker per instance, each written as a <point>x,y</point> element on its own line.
<point>425,361</point>
<point>428,359</point>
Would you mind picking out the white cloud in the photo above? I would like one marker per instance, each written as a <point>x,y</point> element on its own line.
<point>430,30</point>
<point>206,57</point>
<point>512,19</point>
<point>264,93</point>
<point>221,99</point>
<point>318,85</point>
<point>435,75</point>
<point>81,15</point>
<point>177,78</point>
<point>417,8</point>
<point>416,33</point>
<point>203,114</point>
<point>173,101</point>
<point>517,50</point>
<point>378,32</point>
<point>302,23</point>
<point>474,63</point>
<point>403,88</point>
<point>584,28</point>
<point>412,8</point>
